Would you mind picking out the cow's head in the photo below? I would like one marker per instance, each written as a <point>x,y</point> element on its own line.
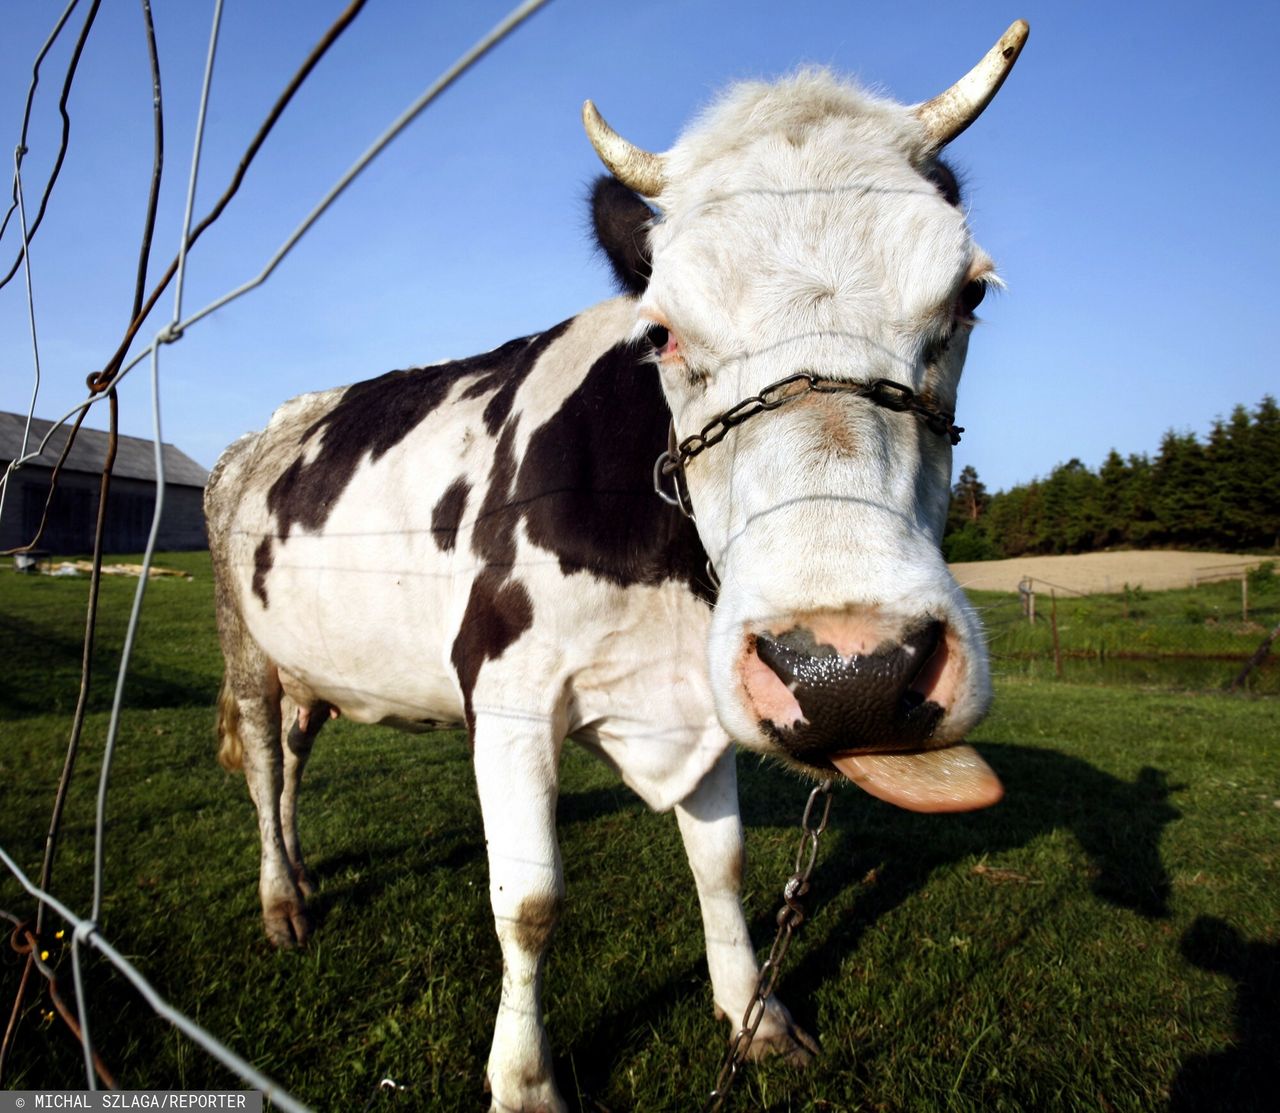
<point>806,226</point>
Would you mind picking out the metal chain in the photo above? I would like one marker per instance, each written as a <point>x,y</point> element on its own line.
<point>883,392</point>
<point>790,916</point>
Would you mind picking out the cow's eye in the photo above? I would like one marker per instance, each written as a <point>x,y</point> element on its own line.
<point>970,298</point>
<point>664,341</point>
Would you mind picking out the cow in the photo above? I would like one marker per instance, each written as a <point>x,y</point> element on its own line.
<point>481,543</point>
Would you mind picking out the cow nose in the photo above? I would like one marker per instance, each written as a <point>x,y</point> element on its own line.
<point>865,701</point>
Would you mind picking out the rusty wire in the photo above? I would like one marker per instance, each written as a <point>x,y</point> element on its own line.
<point>95,579</point>
<point>102,384</point>
<point>66,125</point>
<point>24,941</point>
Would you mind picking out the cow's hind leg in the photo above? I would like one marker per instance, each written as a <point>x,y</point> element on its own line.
<point>249,727</point>
<point>518,781</point>
<point>300,721</point>
<point>712,830</point>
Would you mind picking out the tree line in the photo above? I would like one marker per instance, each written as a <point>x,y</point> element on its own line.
<point>1223,493</point>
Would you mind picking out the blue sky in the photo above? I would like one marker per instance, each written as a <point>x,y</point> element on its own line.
<point>1125,180</point>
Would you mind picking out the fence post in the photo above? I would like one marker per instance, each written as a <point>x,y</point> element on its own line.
<point>1053,622</point>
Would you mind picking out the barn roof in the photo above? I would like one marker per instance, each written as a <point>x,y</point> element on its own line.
<point>135,456</point>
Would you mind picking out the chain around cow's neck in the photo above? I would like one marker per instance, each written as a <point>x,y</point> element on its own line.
<point>882,392</point>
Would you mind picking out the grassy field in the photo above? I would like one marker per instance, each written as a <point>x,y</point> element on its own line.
<point>1190,638</point>
<point>1106,938</point>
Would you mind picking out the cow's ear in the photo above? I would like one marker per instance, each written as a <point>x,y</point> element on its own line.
<point>621,221</point>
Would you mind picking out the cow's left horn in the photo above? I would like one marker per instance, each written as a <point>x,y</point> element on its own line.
<point>633,166</point>
<point>949,113</point>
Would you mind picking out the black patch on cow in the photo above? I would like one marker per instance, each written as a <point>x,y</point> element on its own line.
<point>262,561</point>
<point>946,181</point>
<point>446,515</point>
<point>505,378</point>
<point>493,538</point>
<point>373,417</point>
<point>498,612</point>
<point>585,485</point>
<point>621,222</point>
<point>584,490</point>
<point>499,609</point>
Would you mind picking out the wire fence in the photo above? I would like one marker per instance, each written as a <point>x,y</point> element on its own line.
<point>29,933</point>
<point>1199,638</point>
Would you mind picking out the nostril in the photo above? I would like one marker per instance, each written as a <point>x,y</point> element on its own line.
<point>923,640</point>
<point>919,647</point>
<point>801,641</point>
<point>799,662</point>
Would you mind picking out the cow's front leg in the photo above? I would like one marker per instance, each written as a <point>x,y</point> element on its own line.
<point>517,776</point>
<point>712,830</point>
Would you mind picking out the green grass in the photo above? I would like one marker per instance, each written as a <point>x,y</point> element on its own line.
<point>1105,938</point>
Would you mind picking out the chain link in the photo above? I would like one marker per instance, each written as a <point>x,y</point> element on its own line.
<point>790,916</point>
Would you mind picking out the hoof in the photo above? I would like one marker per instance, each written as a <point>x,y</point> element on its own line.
<point>779,1037</point>
<point>794,1046</point>
<point>287,925</point>
<point>543,1099</point>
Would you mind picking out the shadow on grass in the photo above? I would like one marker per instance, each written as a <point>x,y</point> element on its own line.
<point>43,675</point>
<point>376,871</point>
<point>1243,1076</point>
<point>1118,824</point>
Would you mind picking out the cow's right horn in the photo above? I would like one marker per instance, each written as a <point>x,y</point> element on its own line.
<point>633,166</point>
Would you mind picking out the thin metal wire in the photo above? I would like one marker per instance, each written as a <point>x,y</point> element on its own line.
<point>500,32</point>
<point>87,931</point>
<point>157,160</point>
<point>31,304</point>
<point>184,241</point>
<point>131,633</point>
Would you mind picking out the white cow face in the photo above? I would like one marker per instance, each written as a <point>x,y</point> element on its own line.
<point>807,227</point>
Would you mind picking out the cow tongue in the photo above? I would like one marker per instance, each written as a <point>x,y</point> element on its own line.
<point>952,780</point>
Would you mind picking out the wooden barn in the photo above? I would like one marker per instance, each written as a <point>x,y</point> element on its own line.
<point>74,511</point>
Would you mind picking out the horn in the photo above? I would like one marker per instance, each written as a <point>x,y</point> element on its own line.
<point>639,169</point>
<point>949,113</point>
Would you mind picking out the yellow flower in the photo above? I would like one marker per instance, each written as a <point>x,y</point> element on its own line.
<point>44,956</point>
<point>59,934</point>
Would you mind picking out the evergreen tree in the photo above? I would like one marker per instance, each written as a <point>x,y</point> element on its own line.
<point>1232,505</point>
<point>1262,470</point>
<point>1180,480</point>
<point>1115,480</point>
